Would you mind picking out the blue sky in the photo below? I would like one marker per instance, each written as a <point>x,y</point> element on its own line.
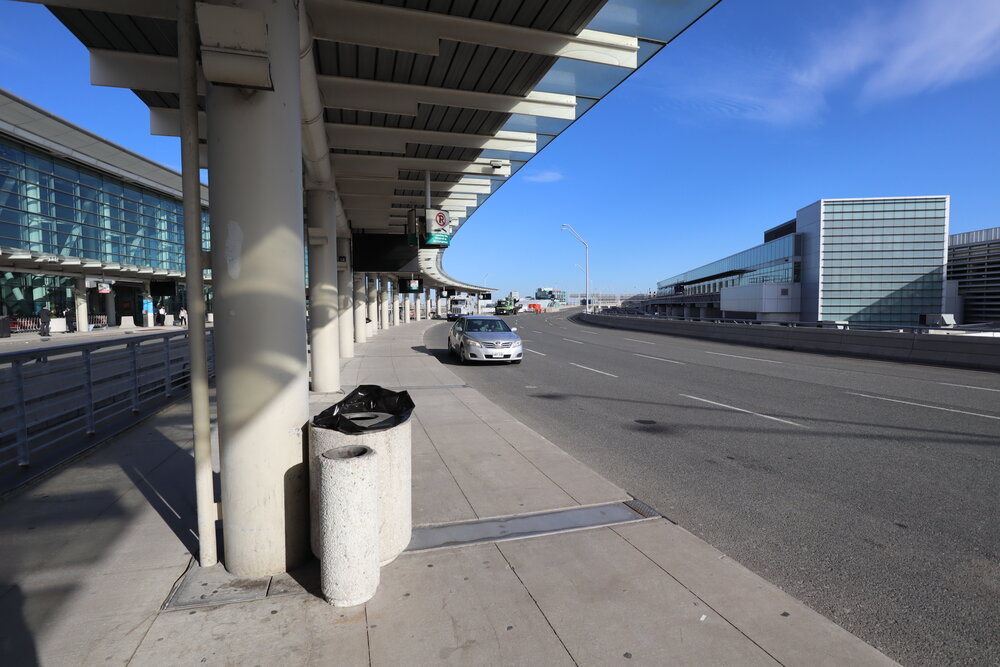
<point>760,108</point>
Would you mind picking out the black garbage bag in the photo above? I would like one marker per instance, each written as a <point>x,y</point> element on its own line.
<point>367,408</point>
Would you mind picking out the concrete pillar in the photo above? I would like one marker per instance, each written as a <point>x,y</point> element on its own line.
<point>372,304</point>
<point>394,309</point>
<point>324,302</point>
<point>109,306</point>
<point>417,311</point>
<point>384,303</point>
<point>80,303</point>
<point>262,379</point>
<point>360,308</point>
<point>345,290</point>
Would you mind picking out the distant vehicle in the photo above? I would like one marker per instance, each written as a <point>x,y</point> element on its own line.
<point>458,306</point>
<point>507,306</point>
<point>484,338</point>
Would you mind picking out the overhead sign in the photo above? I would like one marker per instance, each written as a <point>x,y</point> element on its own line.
<point>104,288</point>
<point>437,228</point>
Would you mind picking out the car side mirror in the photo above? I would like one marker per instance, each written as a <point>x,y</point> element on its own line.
<point>513,328</point>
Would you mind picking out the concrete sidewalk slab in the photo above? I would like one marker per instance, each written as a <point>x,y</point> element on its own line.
<point>96,571</point>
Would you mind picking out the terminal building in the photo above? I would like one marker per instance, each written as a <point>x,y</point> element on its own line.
<point>974,275</point>
<point>874,261</point>
<point>84,223</point>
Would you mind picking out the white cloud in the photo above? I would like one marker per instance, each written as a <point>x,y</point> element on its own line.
<point>873,57</point>
<point>544,177</point>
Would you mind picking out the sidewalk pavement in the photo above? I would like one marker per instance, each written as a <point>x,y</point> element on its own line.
<point>97,566</point>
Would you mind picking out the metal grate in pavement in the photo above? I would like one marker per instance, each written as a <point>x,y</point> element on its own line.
<point>528,525</point>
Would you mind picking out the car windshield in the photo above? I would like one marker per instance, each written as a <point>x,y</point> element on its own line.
<point>486,326</point>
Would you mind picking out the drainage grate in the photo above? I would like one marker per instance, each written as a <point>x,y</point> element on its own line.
<point>528,525</point>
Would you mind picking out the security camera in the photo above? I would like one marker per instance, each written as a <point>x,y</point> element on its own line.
<point>496,164</point>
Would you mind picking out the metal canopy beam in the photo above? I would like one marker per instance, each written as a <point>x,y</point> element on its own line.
<point>387,186</point>
<point>394,140</point>
<point>138,71</point>
<point>418,31</point>
<point>389,167</point>
<point>404,98</point>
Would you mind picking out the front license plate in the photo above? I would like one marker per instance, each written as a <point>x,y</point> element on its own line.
<point>497,355</point>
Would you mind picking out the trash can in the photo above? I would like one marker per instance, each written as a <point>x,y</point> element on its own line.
<point>374,417</point>
<point>348,525</point>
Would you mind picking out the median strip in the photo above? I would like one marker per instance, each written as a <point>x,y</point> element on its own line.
<point>749,412</point>
<point>588,368</point>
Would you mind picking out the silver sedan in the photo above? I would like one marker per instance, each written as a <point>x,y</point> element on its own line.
<point>484,338</point>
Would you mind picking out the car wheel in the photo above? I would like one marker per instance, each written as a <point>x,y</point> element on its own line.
<point>461,355</point>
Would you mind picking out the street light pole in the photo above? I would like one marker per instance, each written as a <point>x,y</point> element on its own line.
<point>587,263</point>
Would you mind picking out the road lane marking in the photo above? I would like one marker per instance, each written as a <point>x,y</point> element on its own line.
<point>533,331</point>
<point>592,333</point>
<point>538,353</point>
<point>636,340</point>
<point>967,386</point>
<point>669,361</point>
<point>924,405</point>
<point>736,356</point>
<point>749,412</point>
<point>578,342</point>
<point>587,368</point>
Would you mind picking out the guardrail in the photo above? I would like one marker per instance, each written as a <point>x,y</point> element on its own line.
<point>911,344</point>
<point>56,402</point>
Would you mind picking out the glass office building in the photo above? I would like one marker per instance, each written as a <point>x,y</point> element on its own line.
<point>877,261</point>
<point>880,261</point>
<point>63,219</point>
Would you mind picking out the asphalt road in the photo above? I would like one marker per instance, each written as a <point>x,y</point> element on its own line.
<point>868,490</point>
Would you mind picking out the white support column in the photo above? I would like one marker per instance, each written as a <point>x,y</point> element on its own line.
<point>262,381</point>
<point>360,308</point>
<point>383,303</point>
<point>80,303</point>
<point>345,288</point>
<point>372,304</point>
<point>406,308</point>
<point>324,302</point>
<point>417,310</point>
<point>394,308</point>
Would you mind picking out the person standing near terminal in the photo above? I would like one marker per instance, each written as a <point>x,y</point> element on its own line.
<point>183,316</point>
<point>70,316</point>
<point>44,318</point>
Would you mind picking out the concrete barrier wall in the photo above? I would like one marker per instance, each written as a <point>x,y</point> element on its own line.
<point>977,352</point>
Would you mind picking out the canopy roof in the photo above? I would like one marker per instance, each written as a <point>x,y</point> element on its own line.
<point>469,91</point>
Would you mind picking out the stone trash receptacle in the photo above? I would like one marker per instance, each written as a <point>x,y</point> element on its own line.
<point>348,526</point>
<point>377,418</point>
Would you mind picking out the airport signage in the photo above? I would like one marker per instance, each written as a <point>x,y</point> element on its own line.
<point>437,228</point>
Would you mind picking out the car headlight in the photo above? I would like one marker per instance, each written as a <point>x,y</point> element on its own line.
<point>473,343</point>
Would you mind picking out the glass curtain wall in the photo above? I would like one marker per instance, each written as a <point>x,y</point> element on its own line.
<point>51,205</point>
<point>883,260</point>
<point>772,262</point>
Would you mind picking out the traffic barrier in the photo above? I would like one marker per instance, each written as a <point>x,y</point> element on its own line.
<point>961,350</point>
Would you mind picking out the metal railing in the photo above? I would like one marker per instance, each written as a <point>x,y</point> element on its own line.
<point>56,402</point>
